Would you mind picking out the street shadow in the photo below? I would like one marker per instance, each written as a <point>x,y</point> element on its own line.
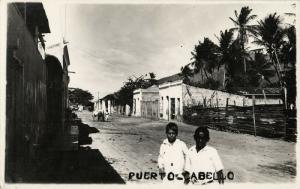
<point>84,131</point>
<point>84,165</point>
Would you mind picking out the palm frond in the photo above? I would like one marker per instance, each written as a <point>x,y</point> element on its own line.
<point>236,13</point>
<point>252,17</point>
<point>235,22</point>
<point>233,29</point>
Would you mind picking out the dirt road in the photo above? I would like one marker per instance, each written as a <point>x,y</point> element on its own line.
<point>131,144</point>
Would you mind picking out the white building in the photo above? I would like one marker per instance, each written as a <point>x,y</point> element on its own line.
<point>174,94</point>
<point>171,97</point>
<point>145,102</point>
<point>103,105</point>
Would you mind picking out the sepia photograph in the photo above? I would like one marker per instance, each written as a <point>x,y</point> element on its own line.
<point>177,93</point>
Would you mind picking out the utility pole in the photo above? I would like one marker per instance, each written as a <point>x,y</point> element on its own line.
<point>98,101</point>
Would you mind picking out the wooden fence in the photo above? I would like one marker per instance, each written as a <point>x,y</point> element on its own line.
<point>263,120</point>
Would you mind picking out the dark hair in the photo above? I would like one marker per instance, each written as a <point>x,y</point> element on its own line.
<point>205,132</point>
<point>172,126</point>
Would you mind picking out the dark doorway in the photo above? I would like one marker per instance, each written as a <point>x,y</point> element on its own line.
<point>172,108</point>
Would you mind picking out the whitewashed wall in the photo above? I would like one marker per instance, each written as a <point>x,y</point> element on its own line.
<point>268,101</point>
<point>137,98</point>
<point>196,96</point>
<point>149,94</point>
<point>172,90</point>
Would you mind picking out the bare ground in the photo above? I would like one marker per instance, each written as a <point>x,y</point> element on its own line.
<point>131,144</point>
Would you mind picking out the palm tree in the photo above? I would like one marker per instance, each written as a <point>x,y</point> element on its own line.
<point>234,72</point>
<point>225,42</point>
<point>288,57</point>
<point>288,50</point>
<point>241,22</point>
<point>186,71</point>
<point>205,57</point>
<point>260,68</point>
<point>270,35</point>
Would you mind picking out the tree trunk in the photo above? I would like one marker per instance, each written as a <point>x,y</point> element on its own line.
<point>205,73</point>
<point>224,79</point>
<point>245,65</point>
<point>275,63</point>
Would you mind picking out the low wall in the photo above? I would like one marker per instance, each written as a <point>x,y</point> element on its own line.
<point>212,98</point>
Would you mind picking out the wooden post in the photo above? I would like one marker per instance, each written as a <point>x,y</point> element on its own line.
<point>227,99</point>
<point>253,113</point>
<point>217,100</point>
<point>285,98</point>
<point>265,97</point>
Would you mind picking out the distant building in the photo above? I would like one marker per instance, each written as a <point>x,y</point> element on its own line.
<point>145,102</point>
<point>172,94</point>
<point>107,104</point>
<point>171,97</point>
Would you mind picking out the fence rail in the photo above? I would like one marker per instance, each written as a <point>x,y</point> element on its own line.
<point>271,121</point>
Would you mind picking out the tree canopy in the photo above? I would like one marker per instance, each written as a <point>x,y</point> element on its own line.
<point>125,94</point>
<point>243,68</point>
<point>80,96</point>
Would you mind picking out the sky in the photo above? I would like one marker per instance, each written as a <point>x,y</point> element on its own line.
<point>110,42</point>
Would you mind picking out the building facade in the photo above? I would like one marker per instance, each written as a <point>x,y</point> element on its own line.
<point>36,90</point>
<point>26,89</point>
<point>174,94</point>
<point>145,102</point>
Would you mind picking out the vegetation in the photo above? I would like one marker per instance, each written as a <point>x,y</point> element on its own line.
<point>79,96</point>
<point>125,94</point>
<point>241,67</point>
<point>242,26</point>
<point>273,63</point>
<point>205,57</point>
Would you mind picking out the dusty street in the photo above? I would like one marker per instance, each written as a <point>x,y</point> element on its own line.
<point>131,144</point>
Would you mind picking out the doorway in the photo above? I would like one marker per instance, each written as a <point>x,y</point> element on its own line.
<point>172,108</point>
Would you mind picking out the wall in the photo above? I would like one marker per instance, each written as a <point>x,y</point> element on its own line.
<point>26,96</point>
<point>168,91</point>
<point>213,98</point>
<point>268,101</point>
<point>144,96</point>
<point>137,96</point>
